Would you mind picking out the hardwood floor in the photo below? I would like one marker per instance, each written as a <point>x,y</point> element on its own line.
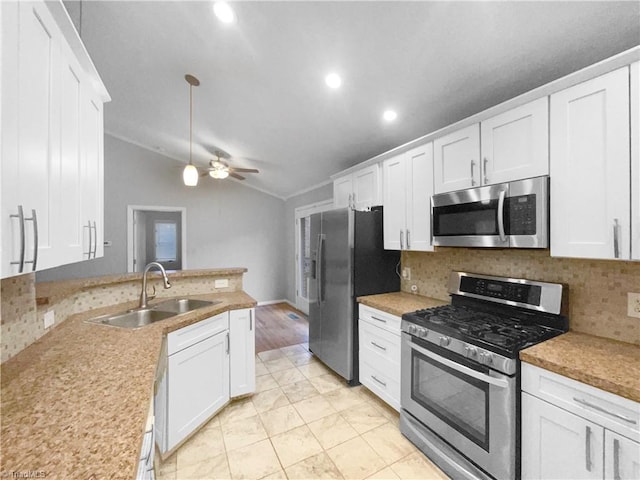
<point>276,327</point>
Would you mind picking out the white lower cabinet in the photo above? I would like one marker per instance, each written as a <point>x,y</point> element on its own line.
<point>379,353</point>
<point>203,365</point>
<point>242,365</point>
<point>574,431</point>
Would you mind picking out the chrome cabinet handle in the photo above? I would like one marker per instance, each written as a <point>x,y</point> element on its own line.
<point>95,239</point>
<point>20,217</point>
<point>34,219</point>
<point>503,237</point>
<point>228,346</point>
<point>379,381</point>
<point>485,162</point>
<point>587,449</point>
<point>379,346</point>
<point>603,410</point>
<point>473,180</point>
<point>250,320</point>
<point>88,225</point>
<point>401,240</point>
<point>349,201</point>
<point>379,319</point>
<point>616,459</point>
<point>408,234</point>
<point>353,200</point>
<point>616,238</point>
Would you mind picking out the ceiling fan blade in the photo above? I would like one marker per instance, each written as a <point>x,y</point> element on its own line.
<point>246,170</point>
<point>235,175</point>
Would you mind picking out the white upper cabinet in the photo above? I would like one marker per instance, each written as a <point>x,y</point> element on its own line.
<point>359,190</point>
<point>590,169</point>
<point>635,161</point>
<point>515,144</point>
<point>407,190</point>
<point>457,160</point>
<point>48,138</point>
<point>510,146</point>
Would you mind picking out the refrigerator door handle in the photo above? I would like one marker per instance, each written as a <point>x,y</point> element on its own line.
<point>319,267</point>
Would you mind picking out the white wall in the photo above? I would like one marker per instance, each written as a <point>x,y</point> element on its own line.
<point>228,224</point>
<point>314,196</point>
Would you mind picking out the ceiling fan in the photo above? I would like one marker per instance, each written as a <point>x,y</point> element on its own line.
<point>220,169</point>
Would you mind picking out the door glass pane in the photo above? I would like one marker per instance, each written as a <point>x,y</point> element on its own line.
<point>477,218</point>
<point>458,400</point>
<point>165,241</point>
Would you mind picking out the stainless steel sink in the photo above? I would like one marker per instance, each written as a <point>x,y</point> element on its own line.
<point>182,305</point>
<point>133,318</point>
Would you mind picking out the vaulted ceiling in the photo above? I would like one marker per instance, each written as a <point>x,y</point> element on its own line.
<point>263,99</point>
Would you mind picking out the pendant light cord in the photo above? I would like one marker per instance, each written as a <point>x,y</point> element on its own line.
<point>190,121</point>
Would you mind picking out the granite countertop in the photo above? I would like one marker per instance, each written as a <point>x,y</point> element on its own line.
<point>75,403</point>
<point>45,291</point>
<point>607,364</point>
<point>397,303</point>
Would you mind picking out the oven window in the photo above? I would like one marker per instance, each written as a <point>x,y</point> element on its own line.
<point>460,401</point>
<point>466,219</point>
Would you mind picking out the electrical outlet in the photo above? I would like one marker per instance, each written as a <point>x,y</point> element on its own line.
<point>633,304</point>
<point>49,318</point>
<point>406,273</point>
<point>221,283</point>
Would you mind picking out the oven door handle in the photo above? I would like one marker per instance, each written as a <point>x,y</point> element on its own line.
<point>498,382</point>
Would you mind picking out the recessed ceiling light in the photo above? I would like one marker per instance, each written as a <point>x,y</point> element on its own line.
<point>333,80</point>
<point>224,12</point>
<point>389,115</point>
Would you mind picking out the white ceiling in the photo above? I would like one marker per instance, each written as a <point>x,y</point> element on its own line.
<point>262,96</point>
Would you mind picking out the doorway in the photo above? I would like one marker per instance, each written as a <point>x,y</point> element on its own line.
<point>303,250</point>
<point>156,234</point>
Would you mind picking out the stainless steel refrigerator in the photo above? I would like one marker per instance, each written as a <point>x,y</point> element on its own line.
<point>348,261</point>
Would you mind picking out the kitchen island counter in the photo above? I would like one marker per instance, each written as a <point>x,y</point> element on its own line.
<point>606,364</point>
<point>397,303</point>
<point>75,403</point>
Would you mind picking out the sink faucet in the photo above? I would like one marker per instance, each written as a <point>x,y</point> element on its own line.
<point>144,298</point>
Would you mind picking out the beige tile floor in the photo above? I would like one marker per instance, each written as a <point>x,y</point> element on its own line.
<point>303,422</point>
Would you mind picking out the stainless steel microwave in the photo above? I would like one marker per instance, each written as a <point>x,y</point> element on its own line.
<point>507,215</point>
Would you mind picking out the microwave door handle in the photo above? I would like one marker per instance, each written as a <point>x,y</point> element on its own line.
<point>503,237</point>
<point>498,382</point>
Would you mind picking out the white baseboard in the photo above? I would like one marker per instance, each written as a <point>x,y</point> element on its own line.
<point>272,302</point>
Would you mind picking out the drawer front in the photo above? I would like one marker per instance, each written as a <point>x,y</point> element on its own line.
<point>386,386</point>
<point>187,336</point>
<point>382,319</point>
<point>382,343</point>
<point>603,408</point>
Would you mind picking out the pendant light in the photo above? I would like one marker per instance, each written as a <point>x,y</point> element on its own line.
<point>190,174</point>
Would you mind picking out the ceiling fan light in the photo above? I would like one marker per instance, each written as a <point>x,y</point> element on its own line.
<point>190,175</point>
<point>219,173</point>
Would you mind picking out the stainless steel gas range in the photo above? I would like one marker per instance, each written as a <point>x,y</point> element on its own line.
<point>460,386</point>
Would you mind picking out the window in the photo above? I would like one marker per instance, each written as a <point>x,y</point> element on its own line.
<point>166,241</point>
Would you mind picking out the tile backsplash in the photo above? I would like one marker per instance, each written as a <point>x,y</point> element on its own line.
<point>597,288</point>
<point>22,318</point>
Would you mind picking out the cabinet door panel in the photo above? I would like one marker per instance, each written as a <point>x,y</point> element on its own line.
<point>557,444</point>
<point>242,352</point>
<point>590,168</point>
<point>38,138</point>
<point>635,161</point>
<point>394,202</point>
<point>621,457</point>
<point>366,187</point>
<point>71,226</point>
<point>515,144</point>
<point>342,192</point>
<point>198,386</point>
<point>419,188</point>
<point>457,160</point>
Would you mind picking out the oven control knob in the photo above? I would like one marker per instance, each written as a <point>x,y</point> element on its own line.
<point>411,329</point>
<point>486,358</point>
<point>444,341</point>
<point>471,352</point>
<point>423,332</point>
